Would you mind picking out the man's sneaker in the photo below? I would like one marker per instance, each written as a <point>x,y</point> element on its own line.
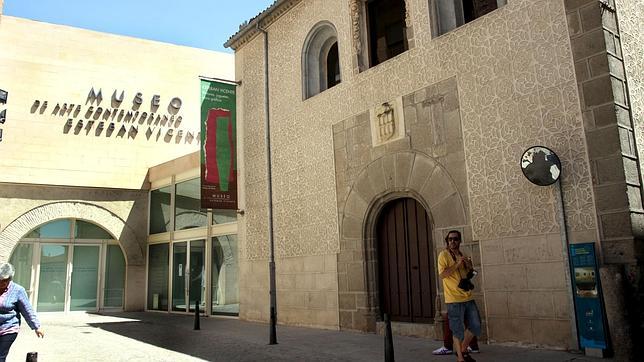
<point>442,351</point>
<point>471,350</point>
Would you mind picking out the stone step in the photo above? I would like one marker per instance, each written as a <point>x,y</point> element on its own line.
<point>409,329</point>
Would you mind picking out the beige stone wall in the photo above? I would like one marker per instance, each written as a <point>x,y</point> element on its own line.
<point>516,87</point>
<point>307,291</point>
<point>631,17</point>
<point>60,65</point>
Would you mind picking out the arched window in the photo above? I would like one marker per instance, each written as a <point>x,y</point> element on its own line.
<point>320,60</point>
<point>78,265</point>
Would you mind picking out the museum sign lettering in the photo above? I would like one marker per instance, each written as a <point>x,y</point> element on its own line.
<point>160,121</point>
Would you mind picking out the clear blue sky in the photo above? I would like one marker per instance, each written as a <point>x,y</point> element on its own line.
<point>197,23</point>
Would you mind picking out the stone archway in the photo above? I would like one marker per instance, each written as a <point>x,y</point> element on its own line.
<point>9,237</point>
<point>402,174</point>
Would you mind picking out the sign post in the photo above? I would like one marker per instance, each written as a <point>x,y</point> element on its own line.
<point>542,167</point>
<point>588,299</point>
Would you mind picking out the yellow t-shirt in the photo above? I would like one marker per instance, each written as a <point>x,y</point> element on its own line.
<point>453,294</point>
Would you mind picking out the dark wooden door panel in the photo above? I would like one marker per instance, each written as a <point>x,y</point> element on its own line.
<point>405,261</point>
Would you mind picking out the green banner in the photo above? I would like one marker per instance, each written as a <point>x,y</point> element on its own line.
<point>218,146</point>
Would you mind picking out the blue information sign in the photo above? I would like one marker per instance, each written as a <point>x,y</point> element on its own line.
<point>588,296</point>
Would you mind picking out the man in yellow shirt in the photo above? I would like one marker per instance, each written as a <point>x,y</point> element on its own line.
<point>452,267</point>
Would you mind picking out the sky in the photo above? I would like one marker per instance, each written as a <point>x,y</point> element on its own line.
<point>203,24</point>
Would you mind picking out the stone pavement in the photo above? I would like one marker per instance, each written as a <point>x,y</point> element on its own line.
<point>170,337</point>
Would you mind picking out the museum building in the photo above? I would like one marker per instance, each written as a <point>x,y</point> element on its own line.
<point>391,123</point>
<point>395,121</point>
<point>99,181</point>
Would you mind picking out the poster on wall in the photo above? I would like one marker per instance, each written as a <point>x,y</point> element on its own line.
<point>218,146</point>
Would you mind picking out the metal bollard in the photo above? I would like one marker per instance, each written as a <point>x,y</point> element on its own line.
<point>197,327</point>
<point>273,328</point>
<point>32,357</point>
<point>389,341</point>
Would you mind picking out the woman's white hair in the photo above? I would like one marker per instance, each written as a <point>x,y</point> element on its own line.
<point>6,271</point>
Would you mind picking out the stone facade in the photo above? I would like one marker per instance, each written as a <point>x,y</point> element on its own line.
<point>507,82</point>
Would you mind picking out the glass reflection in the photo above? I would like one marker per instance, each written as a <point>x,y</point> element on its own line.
<point>225,275</point>
<point>52,284</point>
<point>188,212</point>
<point>159,257</point>
<point>59,229</point>
<point>179,268</point>
<point>84,278</point>
<point>197,286</point>
<point>114,277</point>
<point>160,210</point>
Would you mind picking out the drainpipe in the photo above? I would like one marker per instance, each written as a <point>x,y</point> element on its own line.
<point>271,262</point>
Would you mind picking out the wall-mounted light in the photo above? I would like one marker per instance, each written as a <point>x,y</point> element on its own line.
<point>3,116</point>
<point>3,96</point>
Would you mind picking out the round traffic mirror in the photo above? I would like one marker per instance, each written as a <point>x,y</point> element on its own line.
<point>541,165</point>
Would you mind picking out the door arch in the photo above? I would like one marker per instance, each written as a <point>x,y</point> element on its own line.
<point>405,262</point>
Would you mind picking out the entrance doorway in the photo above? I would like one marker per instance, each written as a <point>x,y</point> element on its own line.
<point>70,265</point>
<point>188,272</point>
<point>405,262</point>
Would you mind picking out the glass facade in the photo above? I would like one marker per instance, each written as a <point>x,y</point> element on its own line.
<point>52,279</point>
<point>160,210</point>
<point>190,267</point>
<point>225,275</point>
<point>84,284</point>
<point>59,229</point>
<point>187,211</point>
<point>224,216</point>
<point>22,261</point>
<point>158,258</point>
<point>70,256</point>
<point>114,277</point>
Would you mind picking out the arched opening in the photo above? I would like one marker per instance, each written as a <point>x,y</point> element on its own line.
<point>320,60</point>
<point>332,66</point>
<point>70,265</point>
<point>406,281</point>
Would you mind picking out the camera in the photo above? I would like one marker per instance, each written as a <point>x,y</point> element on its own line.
<point>466,283</point>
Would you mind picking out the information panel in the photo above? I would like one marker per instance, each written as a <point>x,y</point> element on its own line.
<point>218,146</point>
<point>588,296</point>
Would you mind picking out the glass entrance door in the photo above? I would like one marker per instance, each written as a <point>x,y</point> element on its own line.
<point>188,275</point>
<point>68,279</point>
<point>52,284</point>
<point>84,280</point>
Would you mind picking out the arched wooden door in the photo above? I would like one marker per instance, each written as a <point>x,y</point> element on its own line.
<point>405,262</point>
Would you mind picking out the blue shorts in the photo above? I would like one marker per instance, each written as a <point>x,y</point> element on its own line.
<point>461,314</point>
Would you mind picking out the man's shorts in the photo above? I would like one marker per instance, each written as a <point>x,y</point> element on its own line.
<point>460,313</point>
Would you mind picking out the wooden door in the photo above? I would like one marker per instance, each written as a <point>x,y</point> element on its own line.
<point>405,262</point>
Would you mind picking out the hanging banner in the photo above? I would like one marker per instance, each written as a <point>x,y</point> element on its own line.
<point>218,145</point>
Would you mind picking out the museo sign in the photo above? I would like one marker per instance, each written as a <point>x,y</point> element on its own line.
<point>119,119</point>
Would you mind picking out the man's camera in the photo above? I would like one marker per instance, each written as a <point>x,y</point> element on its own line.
<point>466,283</point>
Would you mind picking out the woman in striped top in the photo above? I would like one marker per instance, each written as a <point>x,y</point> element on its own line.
<point>13,303</point>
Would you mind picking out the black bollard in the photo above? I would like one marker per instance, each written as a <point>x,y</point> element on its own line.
<point>32,357</point>
<point>197,327</point>
<point>273,328</point>
<point>389,341</point>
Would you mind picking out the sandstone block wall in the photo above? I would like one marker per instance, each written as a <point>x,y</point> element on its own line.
<point>516,86</point>
<point>60,64</point>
